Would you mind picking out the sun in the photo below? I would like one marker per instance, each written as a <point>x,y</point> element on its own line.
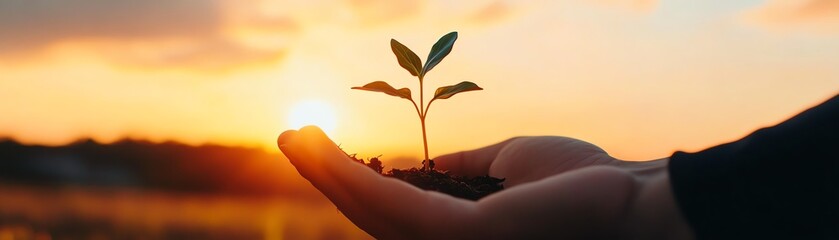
<point>313,112</point>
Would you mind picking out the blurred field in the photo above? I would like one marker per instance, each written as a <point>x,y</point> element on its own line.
<point>95,213</point>
<point>141,190</point>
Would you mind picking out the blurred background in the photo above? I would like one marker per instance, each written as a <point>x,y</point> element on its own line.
<point>157,119</point>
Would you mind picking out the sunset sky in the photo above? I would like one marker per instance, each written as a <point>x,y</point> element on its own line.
<point>640,78</point>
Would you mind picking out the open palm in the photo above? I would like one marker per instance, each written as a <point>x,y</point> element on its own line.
<point>555,187</point>
<point>525,159</point>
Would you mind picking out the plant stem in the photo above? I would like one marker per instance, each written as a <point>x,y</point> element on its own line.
<point>426,161</point>
<point>427,107</point>
<point>422,103</point>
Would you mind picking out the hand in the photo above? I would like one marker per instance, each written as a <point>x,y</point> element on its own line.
<point>526,159</point>
<point>555,187</point>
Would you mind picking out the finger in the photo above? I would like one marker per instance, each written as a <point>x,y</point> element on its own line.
<point>283,141</point>
<point>384,207</point>
<point>285,137</point>
<point>292,144</point>
<point>473,162</point>
<point>308,159</point>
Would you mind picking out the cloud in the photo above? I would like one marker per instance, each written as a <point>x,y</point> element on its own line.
<point>810,15</point>
<point>372,12</point>
<point>220,34</point>
<point>494,12</point>
<point>634,5</point>
<point>28,23</point>
<point>209,55</point>
<point>30,26</point>
<point>377,13</point>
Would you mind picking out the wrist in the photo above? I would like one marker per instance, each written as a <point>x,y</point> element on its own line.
<point>642,169</point>
<point>655,214</point>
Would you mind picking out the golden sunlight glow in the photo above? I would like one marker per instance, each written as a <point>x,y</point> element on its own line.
<point>639,78</point>
<point>312,112</point>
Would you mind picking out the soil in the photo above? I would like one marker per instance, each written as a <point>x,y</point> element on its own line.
<point>472,188</point>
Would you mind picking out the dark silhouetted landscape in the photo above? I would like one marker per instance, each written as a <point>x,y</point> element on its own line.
<point>133,189</point>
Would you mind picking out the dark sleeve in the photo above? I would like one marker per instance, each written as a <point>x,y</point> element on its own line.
<point>780,182</point>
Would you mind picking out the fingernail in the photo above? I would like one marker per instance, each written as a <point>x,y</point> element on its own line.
<point>285,137</point>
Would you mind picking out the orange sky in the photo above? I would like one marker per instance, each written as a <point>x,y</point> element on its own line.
<point>641,78</point>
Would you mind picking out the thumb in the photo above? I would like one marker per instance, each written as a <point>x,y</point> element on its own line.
<point>307,147</point>
<point>309,150</point>
<point>473,162</point>
<point>384,207</point>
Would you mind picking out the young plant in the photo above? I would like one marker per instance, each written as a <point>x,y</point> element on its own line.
<point>409,60</point>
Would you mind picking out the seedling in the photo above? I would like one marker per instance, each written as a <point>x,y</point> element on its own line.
<point>467,187</point>
<point>409,61</point>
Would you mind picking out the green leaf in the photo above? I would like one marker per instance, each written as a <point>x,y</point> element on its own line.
<point>449,91</point>
<point>380,86</point>
<point>440,50</point>
<point>407,58</point>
